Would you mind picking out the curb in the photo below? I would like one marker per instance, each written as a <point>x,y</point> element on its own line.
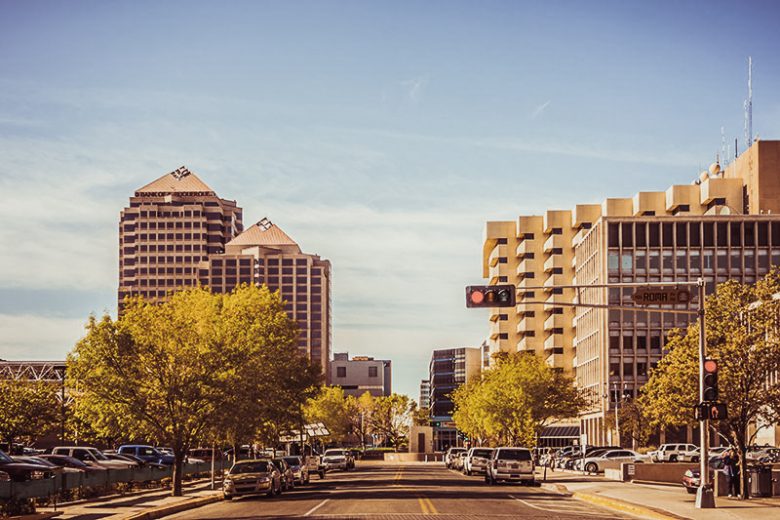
<point>626,507</point>
<point>36,516</point>
<point>159,512</point>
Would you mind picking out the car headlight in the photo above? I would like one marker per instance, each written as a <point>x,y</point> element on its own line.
<point>264,479</point>
<point>37,475</point>
<point>4,477</point>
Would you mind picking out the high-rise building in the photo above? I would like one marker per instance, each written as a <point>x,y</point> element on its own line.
<point>168,228</point>
<point>722,226</point>
<point>361,374</point>
<point>449,368</point>
<point>177,233</point>
<point>425,394</point>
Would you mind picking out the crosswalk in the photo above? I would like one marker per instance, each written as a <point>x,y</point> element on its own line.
<point>562,506</point>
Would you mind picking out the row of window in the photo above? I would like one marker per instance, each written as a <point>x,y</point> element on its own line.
<point>685,234</point>
<point>178,236</point>
<point>707,260</point>
<point>342,371</point>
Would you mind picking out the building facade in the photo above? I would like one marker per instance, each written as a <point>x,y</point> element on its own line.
<point>168,228</point>
<point>425,394</point>
<point>361,374</point>
<point>725,225</point>
<point>176,233</point>
<point>448,369</point>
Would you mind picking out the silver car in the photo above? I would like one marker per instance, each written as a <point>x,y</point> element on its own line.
<point>477,460</point>
<point>250,477</point>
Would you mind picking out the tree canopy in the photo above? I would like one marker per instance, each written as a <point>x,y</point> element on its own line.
<point>741,332</point>
<point>197,367</point>
<point>514,401</point>
<point>28,410</point>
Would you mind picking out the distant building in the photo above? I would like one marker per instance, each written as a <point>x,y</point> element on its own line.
<point>176,233</point>
<point>425,393</point>
<point>449,368</point>
<point>361,374</point>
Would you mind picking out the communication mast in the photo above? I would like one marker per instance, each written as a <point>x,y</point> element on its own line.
<point>749,106</point>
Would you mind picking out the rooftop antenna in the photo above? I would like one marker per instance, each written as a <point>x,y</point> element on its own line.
<point>722,155</point>
<point>749,106</point>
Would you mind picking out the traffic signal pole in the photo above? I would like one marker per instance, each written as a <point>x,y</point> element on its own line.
<point>705,497</point>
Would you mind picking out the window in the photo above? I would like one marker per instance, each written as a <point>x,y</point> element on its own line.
<point>501,259</point>
<point>341,371</point>
<point>502,241</point>
<point>372,372</point>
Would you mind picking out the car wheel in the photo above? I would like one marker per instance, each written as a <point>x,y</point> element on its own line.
<point>673,458</point>
<point>694,459</point>
<point>591,467</point>
<point>228,497</point>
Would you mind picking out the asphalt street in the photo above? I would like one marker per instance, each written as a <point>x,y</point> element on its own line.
<point>400,492</point>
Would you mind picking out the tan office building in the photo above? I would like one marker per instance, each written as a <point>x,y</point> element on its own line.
<point>169,227</point>
<point>264,254</point>
<point>177,233</point>
<point>724,225</point>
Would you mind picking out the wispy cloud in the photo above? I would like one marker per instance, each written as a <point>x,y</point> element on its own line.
<point>540,109</point>
<point>415,88</point>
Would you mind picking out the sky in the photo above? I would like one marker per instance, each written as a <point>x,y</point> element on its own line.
<point>379,135</point>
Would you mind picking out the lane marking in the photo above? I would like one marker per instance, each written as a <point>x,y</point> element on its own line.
<point>313,509</point>
<point>564,511</point>
<point>423,506</point>
<point>431,506</point>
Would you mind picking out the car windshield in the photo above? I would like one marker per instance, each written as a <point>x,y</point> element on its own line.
<point>250,467</point>
<point>98,455</point>
<point>5,458</point>
<point>293,461</point>
<point>481,453</point>
<point>334,453</point>
<point>514,455</point>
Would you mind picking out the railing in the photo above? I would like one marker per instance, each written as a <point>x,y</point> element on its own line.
<point>97,479</point>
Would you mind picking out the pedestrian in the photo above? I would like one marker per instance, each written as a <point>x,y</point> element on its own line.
<point>731,468</point>
<point>551,460</point>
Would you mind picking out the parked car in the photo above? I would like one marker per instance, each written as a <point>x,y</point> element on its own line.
<point>692,478</point>
<point>476,460</point>
<point>336,459</point>
<point>574,461</point>
<point>23,471</point>
<point>510,464</point>
<point>676,453</point>
<point>147,453</point>
<point>299,469</point>
<point>449,456</point>
<point>70,462</point>
<point>288,475</point>
<point>250,477</point>
<point>611,459</point>
<point>33,459</point>
<point>90,455</point>
<point>457,461</point>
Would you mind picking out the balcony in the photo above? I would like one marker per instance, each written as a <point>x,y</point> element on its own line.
<point>526,344</point>
<point>554,361</point>
<point>554,242</point>
<point>525,282</point>
<point>523,247</point>
<point>554,261</point>
<point>556,321</point>
<point>554,280</point>
<point>553,341</point>
<point>526,323</point>
<point>499,251</point>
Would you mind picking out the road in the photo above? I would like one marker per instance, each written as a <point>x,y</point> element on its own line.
<point>404,492</point>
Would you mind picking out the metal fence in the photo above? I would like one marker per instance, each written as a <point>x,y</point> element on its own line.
<point>98,479</point>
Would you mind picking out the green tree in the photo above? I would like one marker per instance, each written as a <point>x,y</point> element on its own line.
<point>179,371</point>
<point>332,408</point>
<point>513,402</point>
<point>741,331</point>
<point>390,417</point>
<point>28,410</point>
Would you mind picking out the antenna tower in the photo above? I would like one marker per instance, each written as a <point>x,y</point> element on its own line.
<point>722,156</point>
<point>749,106</point>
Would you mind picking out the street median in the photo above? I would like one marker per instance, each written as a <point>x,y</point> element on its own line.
<point>177,507</point>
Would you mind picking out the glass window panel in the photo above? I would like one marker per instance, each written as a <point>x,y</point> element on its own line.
<point>708,260</point>
<point>626,262</point>
<point>654,261</point>
<point>668,262</point>
<point>612,261</point>
<point>695,261</point>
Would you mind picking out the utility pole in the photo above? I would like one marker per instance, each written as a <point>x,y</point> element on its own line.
<point>617,413</point>
<point>705,498</point>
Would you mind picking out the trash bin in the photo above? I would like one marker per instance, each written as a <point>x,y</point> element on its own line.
<point>761,482</point>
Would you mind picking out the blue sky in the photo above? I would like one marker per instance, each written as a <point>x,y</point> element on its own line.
<point>379,135</point>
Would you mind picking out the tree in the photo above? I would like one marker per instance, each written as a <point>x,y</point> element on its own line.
<point>181,371</point>
<point>28,410</point>
<point>332,408</point>
<point>420,416</point>
<point>390,418</point>
<point>741,331</point>
<point>512,403</point>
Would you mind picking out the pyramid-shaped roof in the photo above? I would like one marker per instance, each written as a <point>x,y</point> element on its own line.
<point>264,233</point>
<point>177,181</point>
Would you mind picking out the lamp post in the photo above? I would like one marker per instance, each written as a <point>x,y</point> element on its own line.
<point>617,412</point>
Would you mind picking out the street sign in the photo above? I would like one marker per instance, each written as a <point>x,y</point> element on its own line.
<point>660,296</point>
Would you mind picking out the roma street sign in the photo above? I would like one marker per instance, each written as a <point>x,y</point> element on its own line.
<point>660,296</point>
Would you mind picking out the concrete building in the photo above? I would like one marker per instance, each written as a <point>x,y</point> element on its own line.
<point>724,225</point>
<point>449,368</point>
<point>425,394</point>
<point>266,255</point>
<point>177,233</point>
<point>168,228</point>
<point>361,374</point>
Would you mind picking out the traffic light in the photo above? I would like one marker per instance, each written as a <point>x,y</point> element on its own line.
<point>710,380</point>
<point>490,296</point>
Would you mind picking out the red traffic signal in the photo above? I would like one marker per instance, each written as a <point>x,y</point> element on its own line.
<point>710,380</point>
<point>490,296</point>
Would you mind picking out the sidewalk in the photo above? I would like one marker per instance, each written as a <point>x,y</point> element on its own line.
<point>658,501</point>
<point>153,504</point>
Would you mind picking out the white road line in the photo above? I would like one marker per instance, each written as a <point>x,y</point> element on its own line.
<point>563,511</point>
<point>313,509</point>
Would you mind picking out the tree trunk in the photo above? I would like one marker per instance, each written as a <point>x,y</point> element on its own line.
<point>177,472</point>
<point>743,474</point>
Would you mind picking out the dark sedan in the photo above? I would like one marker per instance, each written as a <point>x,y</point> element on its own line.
<point>23,471</point>
<point>71,462</point>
